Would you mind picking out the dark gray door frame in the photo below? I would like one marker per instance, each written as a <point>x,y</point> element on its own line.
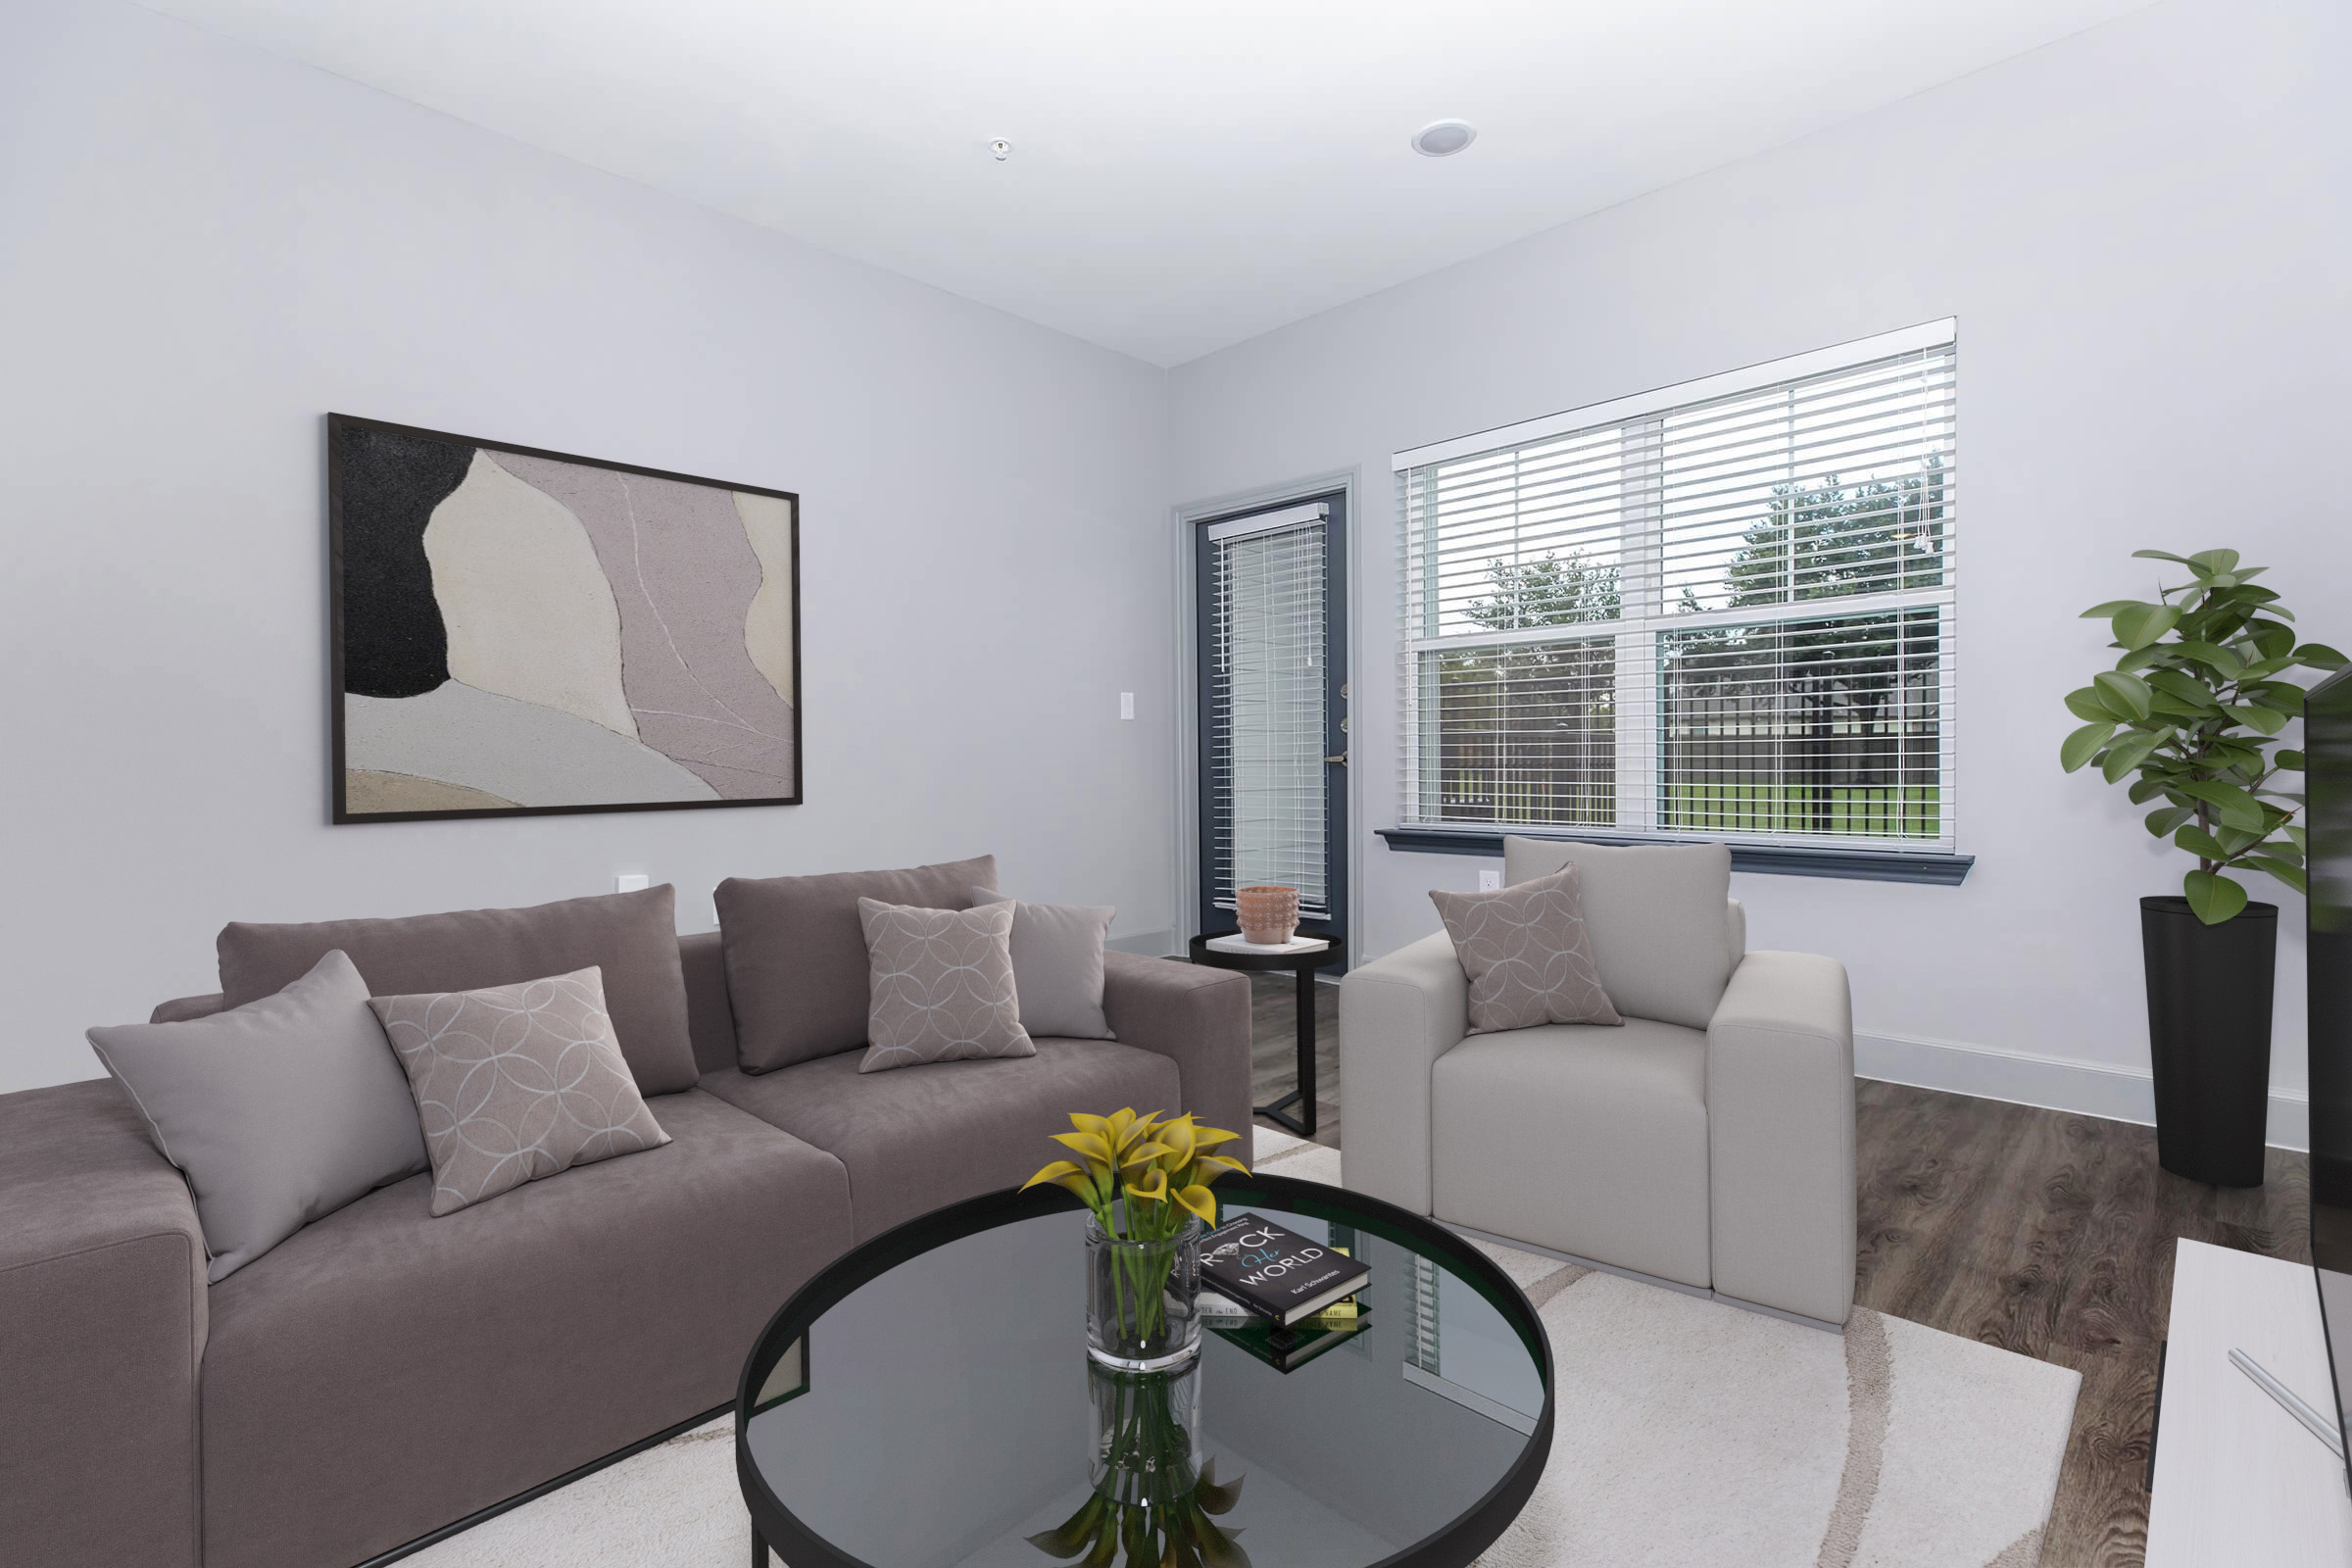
<point>1337,847</point>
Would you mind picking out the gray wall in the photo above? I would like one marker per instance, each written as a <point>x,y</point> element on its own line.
<point>2143,231</point>
<point>204,248</point>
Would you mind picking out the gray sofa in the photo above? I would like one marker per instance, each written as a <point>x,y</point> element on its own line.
<point>1708,1143</point>
<point>382,1373</point>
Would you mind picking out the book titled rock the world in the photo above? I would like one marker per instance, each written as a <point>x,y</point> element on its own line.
<point>1275,1272</point>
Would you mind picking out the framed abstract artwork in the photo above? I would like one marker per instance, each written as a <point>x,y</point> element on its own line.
<point>522,633</point>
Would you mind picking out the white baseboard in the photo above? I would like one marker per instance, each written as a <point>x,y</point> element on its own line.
<point>2056,1083</point>
<point>1151,944</point>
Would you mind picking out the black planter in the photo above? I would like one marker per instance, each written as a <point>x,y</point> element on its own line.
<point>2208,1037</point>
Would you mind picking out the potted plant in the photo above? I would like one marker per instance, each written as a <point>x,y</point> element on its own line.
<point>2192,707</point>
<point>1145,1184</point>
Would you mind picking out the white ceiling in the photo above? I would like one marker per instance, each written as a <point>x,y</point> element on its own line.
<point>1185,173</point>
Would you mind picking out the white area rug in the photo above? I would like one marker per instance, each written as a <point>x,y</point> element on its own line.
<point>1686,1432</point>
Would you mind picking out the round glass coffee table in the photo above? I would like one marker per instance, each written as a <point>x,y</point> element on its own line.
<point>927,1402</point>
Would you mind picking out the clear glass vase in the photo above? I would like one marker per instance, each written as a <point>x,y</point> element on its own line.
<point>1143,1299</point>
<point>1147,1435</point>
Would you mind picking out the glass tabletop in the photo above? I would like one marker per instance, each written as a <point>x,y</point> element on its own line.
<point>928,1403</point>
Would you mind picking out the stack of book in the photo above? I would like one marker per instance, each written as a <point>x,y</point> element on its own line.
<point>1278,1296</point>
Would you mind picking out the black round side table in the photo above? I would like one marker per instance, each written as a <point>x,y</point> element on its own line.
<point>1304,964</point>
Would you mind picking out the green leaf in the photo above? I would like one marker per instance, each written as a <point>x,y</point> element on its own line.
<point>2126,753</point>
<point>2294,836</point>
<point>2232,805</point>
<point>2160,554</point>
<point>2291,875</point>
<point>2113,608</point>
<point>2214,562</point>
<point>2186,686</point>
<point>2199,843</point>
<point>2275,641</point>
<point>2084,702</point>
<point>2165,819</point>
<point>2083,745</point>
<point>2214,896</point>
<point>2143,625</point>
<point>2212,657</point>
<point>2269,720</point>
<point>2319,656</point>
<point>2145,789</point>
<point>2121,693</point>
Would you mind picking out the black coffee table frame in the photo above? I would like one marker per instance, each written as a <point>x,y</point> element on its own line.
<point>1307,964</point>
<point>1456,1546</point>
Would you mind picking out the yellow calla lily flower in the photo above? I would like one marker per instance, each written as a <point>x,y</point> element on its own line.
<point>1225,1161</point>
<point>1200,1200</point>
<point>1096,1150</point>
<point>1209,1137</point>
<point>1151,1189</point>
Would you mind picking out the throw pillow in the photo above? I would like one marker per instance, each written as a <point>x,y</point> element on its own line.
<point>1659,915</point>
<point>278,1112</point>
<point>795,953</point>
<point>1527,955</point>
<point>632,938</point>
<point>943,987</point>
<point>1057,964</point>
<point>516,1082</point>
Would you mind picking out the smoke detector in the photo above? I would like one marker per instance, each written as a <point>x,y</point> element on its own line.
<point>1443,139</point>
<point>1000,149</point>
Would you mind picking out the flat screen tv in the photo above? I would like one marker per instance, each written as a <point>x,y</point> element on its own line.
<point>2327,824</point>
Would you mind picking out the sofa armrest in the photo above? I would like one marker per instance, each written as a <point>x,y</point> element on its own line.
<point>1196,1017</point>
<point>101,1326</point>
<point>1781,1135</point>
<point>1397,1015</point>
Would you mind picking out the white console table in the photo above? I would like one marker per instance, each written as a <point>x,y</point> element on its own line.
<point>2238,1479</point>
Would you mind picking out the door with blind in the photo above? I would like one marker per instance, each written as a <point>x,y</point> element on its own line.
<point>1273,708</point>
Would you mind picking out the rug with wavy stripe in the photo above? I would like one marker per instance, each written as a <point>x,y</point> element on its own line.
<point>1687,1432</point>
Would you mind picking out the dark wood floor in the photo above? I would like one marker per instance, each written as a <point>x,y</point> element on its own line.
<point>2043,1233</point>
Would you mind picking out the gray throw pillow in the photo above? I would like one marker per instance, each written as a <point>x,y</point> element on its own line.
<point>631,938</point>
<point>942,986</point>
<point>1527,955</point>
<point>1661,939</point>
<point>514,1083</point>
<point>1057,964</point>
<point>280,1113</point>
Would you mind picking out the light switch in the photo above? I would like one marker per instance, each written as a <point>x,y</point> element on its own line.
<point>1126,705</point>
<point>631,882</point>
<point>1489,881</point>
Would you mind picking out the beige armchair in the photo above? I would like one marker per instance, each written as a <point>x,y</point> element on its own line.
<point>1708,1143</point>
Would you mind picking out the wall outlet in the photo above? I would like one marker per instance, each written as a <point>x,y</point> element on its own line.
<point>1489,881</point>
<point>631,882</point>
<point>1126,705</point>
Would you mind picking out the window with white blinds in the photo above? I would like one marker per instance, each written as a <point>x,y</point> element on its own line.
<point>1265,718</point>
<point>1721,609</point>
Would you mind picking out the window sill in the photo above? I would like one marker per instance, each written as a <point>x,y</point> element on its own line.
<point>1771,860</point>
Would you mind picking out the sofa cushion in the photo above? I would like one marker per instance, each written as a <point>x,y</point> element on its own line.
<point>1656,913</point>
<point>796,952</point>
<point>516,1082</point>
<point>632,937</point>
<point>940,986</point>
<point>923,1137</point>
<point>1602,1136</point>
<point>1526,954</point>
<point>279,1112</point>
<point>382,1372</point>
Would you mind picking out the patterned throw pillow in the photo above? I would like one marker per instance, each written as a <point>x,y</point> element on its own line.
<point>515,1082</point>
<point>1526,953</point>
<point>942,984</point>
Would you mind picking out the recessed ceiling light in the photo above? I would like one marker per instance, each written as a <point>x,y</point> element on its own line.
<point>1445,139</point>
<point>1000,149</point>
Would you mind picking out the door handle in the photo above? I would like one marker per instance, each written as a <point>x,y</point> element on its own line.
<point>1341,760</point>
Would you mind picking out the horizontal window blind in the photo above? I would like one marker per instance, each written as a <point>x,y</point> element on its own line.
<point>1266,717</point>
<point>1719,615</point>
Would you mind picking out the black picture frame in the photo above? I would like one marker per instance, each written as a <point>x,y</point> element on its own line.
<point>340,814</point>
